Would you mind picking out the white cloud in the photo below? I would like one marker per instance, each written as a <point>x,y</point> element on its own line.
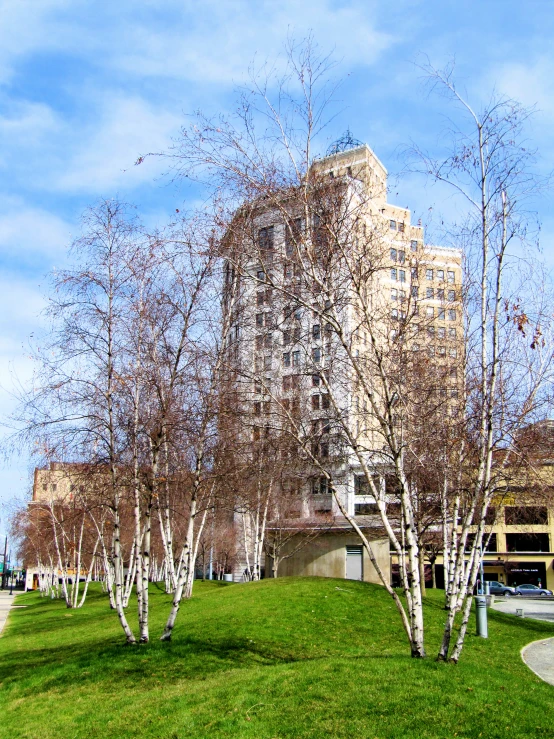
<point>531,84</point>
<point>209,41</point>
<point>31,236</point>
<point>102,157</point>
<point>215,41</point>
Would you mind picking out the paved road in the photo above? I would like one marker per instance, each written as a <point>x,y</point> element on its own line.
<point>6,601</point>
<point>532,608</point>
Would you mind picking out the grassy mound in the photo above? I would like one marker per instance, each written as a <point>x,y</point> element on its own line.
<point>295,657</point>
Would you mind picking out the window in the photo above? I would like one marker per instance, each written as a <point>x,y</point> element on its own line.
<point>394,294</point>
<point>393,255</point>
<point>401,295</point>
<point>440,294</point>
<point>296,334</point>
<point>295,359</point>
<point>259,342</point>
<point>450,275</point>
<point>451,333</point>
<point>451,295</point>
<point>451,315</point>
<point>257,408</point>
<point>316,331</point>
<point>260,274</point>
<point>316,379</point>
<point>440,314</point>
<point>326,426</point>
<point>402,275</point>
<point>315,402</point>
<point>441,351</point>
<point>414,291</point>
<point>440,275</point>
<point>265,237</point>
<point>321,486</point>
<point>441,332</point>
<point>259,319</point>
<point>428,274</point>
<point>401,256</point>
<point>286,359</point>
<point>361,486</point>
<point>394,313</point>
<point>324,449</point>
<point>260,298</point>
<point>454,393</point>
<point>527,542</point>
<point>365,509</point>
<point>413,245</point>
<point>267,363</point>
<point>393,274</point>
<point>431,351</point>
<point>325,401</point>
<point>414,273</point>
<point>267,341</point>
<point>293,233</point>
<point>401,226</point>
<point>287,271</point>
<point>489,543</point>
<point>431,331</point>
<point>316,354</point>
<point>526,515</point>
<point>286,383</point>
<point>429,293</point>
<point>452,353</point>
<point>392,225</point>
<point>429,311</point>
<point>45,487</point>
<point>286,337</point>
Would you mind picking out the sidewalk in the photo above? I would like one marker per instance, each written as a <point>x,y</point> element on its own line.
<point>6,602</point>
<point>539,657</point>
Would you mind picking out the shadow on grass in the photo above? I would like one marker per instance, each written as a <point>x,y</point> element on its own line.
<point>189,659</point>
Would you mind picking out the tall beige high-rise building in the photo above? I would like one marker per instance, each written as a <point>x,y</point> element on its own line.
<point>335,247</point>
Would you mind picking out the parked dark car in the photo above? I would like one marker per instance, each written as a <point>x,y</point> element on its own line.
<point>498,588</point>
<point>532,590</point>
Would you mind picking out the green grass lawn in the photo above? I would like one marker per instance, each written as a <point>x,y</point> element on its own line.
<point>295,657</point>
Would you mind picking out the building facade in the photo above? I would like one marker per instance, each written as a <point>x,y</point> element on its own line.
<point>287,364</point>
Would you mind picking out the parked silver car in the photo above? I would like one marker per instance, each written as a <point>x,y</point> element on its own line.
<point>532,590</point>
<point>498,588</point>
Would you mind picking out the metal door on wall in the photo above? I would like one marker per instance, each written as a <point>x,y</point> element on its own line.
<point>354,563</point>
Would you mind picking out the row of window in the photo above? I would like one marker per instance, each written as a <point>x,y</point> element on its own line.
<point>439,294</point>
<point>319,401</point>
<point>292,382</point>
<point>439,275</point>
<point>399,255</point>
<point>399,275</point>
<point>441,314</point>
<point>440,351</point>
<point>397,226</point>
<point>293,233</point>
<point>293,358</point>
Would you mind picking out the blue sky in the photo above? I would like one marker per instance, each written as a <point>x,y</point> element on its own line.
<point>88,85</point>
